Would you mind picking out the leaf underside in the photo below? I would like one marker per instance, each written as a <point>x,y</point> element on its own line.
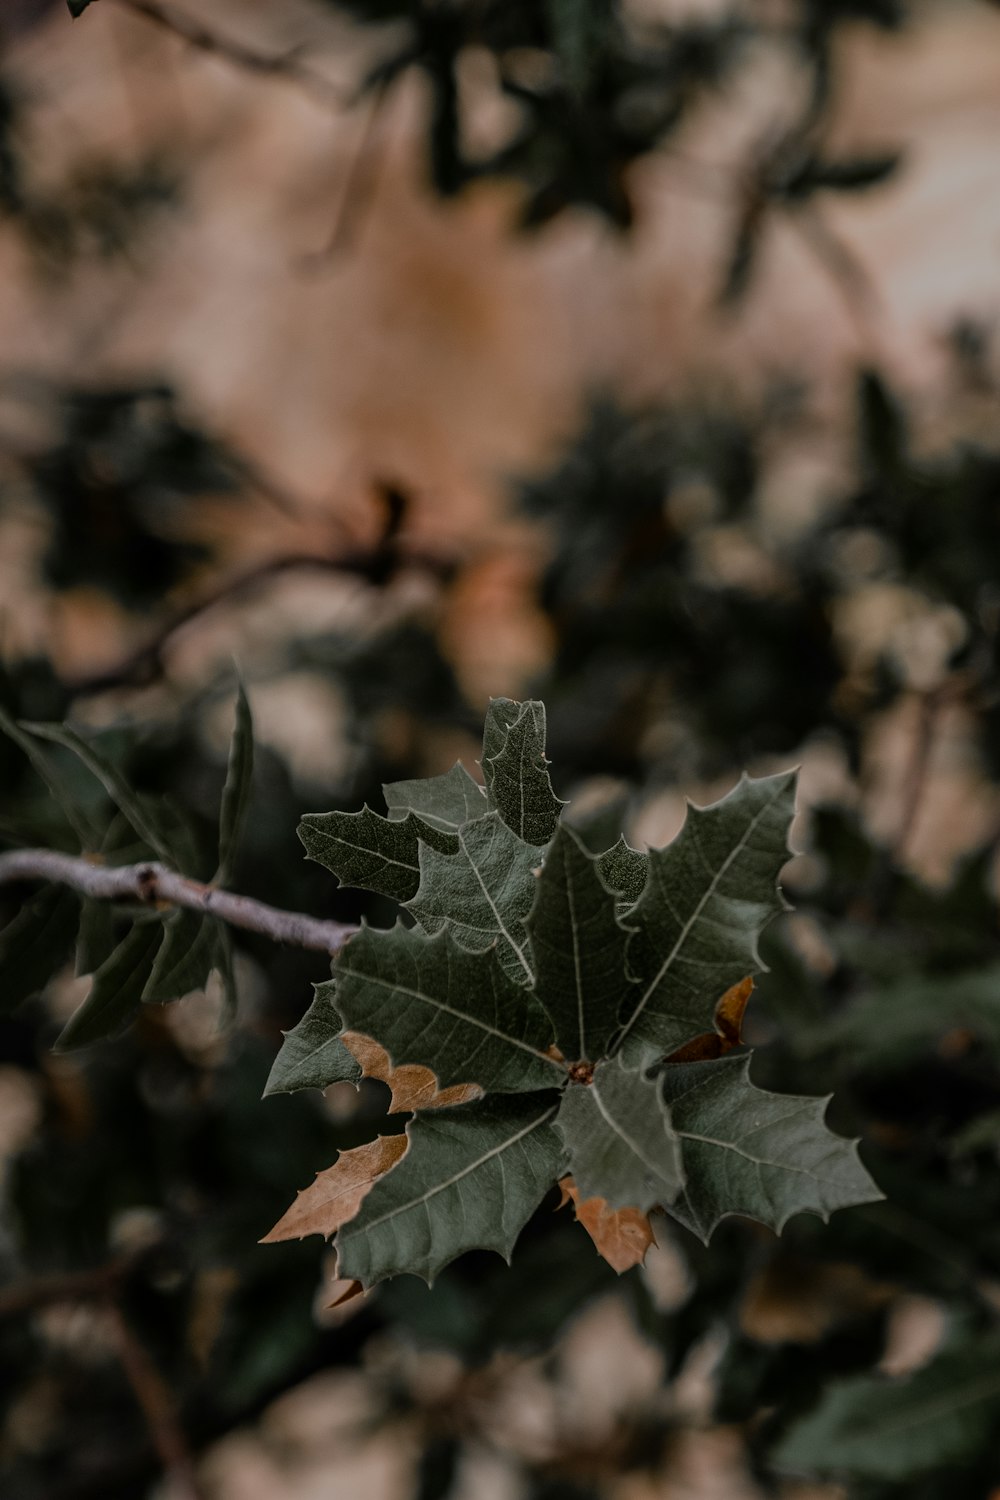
<point>516,772</point>
<point>445,802</point>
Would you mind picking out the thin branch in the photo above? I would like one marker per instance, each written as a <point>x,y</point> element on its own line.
<point>62,1286</point>
<point>285,65</point>
<point>147,664</point>
<point>153,884</point>
<point>158,1406</point>
<point>360,182</point>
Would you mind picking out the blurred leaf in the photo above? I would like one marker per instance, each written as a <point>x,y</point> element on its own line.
<point>35,944</point>
<point>116,990</point>
<point>875,1428</point>
<point>110,778</point>
<point>43,766</point>
<point>236,792</point>
<point>186,958</point>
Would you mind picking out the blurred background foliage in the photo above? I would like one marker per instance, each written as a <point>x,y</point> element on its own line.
<point>638,357</point>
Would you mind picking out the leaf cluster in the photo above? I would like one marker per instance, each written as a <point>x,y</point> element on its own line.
<point>563,995</point>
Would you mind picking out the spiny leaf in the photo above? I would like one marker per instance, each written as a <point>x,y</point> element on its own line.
<point>578,947</point>
<point>236,792</point>
<point>185,960</point>
<point>111,779</point>
<point>445,802</point>
<point>623,1236</point>
<point>623,870</point>
<point>337,1194</point>
<point>482,893</point>
<point>619,1140</point>
<point>470,1180</point>
<point>873,1428</point>
<point>312,1055</point>
<point>35,944</point>
<point>707,899</point>
<point>765,1156</point>
<point>516,772</point>
<point>427,1000</point>
<point>375,853</point>
<point>116,992</point>
<point>412,1086</point>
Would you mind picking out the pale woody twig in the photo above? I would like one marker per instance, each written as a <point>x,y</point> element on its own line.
<point>152,884</point>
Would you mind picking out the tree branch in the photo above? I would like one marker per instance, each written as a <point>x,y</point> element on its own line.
<point>286,65</point>
<point>152,884</point>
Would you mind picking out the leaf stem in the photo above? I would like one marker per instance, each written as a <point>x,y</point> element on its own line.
<point>150,884</point>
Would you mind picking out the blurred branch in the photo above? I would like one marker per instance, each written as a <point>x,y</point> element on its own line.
<point>158,1407</point>
<point>361,180</point>
<point>376,565</point>
<point>285,65</point>
<point>151,884</point>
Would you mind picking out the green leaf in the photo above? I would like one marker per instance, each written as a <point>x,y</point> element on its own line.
<point>765,1156</point>
<point>428,1000</point>
<point>482,893</point>
<point>620,1141</point>
<point>578,947</point>
<point>375,853</point>
<point>470,1180</point>
<point>34,945</point>
<point>623,870</point>
<point>708,897</point>
<point>112,780</point>
<point>445,802</point>
<point>96,938</point>
<point>897,1022</point>
<point>185,960</point>
<point>873,1428</point>
<point>76,819</point>
<point>116,992</point>
<point>312,1056</point>
<point>515,769</point>
<point>236,792</point>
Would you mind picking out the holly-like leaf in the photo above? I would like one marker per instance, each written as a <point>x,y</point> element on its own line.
<point>412,1086</point>
<point>619,1140</point>
<point>578,948</point>
<point>236,792</point>
<point>185,959</point>
<point>114,783</point>
<point>375,853</point>
<point>35,944</point>
<point>482,893</point>
<point>312,1055</point>
<point>428,1000</point>
<point>516,772</point>
<point>708,897</point>
<point>445,802</point>
<point>746,1151</point>
<point>873,1428</point>
<point>116,991</point>
<point>623,1236</point>
<point>623,870</point>
<point>470,1180</point>
<point>338,1192</point>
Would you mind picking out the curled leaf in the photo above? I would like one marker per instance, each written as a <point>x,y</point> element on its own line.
<point>728,1031</point>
